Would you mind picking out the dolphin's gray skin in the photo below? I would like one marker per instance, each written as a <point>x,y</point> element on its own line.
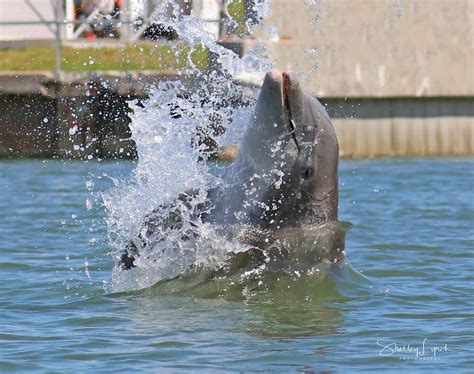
<point>282,191</point>
<point>286,169</point>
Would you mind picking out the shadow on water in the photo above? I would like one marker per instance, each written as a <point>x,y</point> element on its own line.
<point>270,305</point>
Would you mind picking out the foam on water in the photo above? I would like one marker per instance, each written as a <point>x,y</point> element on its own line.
<point>172,131</point>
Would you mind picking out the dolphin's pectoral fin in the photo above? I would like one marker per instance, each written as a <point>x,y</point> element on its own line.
<point>129,255</point>
<point>169,217</point>
<point>126,261</point>
<point>135,247</point>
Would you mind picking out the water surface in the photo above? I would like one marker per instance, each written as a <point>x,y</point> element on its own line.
<point>409,281</point>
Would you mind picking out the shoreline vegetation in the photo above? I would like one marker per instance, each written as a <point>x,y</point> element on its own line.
<point>136,57</point>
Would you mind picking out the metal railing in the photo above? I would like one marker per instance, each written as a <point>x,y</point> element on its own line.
<point>62,26</point>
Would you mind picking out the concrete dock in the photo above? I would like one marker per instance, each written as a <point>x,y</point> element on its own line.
<point>83,115</point>
<point>41,118</point>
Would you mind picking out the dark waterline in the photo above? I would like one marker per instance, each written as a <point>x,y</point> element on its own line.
<point>409,282</point>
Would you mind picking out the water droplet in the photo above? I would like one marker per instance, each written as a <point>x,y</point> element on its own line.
<point>73,130</point>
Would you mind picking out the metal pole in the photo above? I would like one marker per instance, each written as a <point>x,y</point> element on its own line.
<point>70,16</point>
<point>125,17</point>
<point>65,22</point>
<point>59,19</point>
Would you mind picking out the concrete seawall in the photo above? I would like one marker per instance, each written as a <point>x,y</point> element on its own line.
<point>403,126</point>
<point>84,115</point>
<point>80,118</point>
<point>403,138</point>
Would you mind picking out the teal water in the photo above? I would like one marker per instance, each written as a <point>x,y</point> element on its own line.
<point>410,280</point>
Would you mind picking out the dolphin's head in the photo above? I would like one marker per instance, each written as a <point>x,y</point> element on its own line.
<point>289,157</point>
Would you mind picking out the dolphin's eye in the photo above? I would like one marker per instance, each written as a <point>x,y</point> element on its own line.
<point>308,173</point>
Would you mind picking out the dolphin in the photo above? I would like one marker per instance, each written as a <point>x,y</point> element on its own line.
<point>286,172</point>
<point>283,186</point>
<point>280,196</point>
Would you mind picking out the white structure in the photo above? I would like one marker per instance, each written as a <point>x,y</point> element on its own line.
<point>27,10</point>
<point>22,12</point>
<point>210,12</point>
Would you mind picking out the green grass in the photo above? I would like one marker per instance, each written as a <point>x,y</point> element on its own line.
<point>127,58</point>
<point>236,9</point>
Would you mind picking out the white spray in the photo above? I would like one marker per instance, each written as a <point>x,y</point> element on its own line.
<point>167,133</point>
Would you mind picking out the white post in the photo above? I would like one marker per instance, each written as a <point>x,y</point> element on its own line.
<point>125,15</point>
<point>209,11</point>
<point>59,20</point>
<point>70,16</point>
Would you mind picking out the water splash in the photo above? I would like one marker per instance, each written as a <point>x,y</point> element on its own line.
<point>176,130</point>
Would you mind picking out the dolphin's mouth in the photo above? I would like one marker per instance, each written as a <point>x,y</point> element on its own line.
<point>287,106</point>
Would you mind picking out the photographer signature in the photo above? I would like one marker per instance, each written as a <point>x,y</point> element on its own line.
<point>411,352</point>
